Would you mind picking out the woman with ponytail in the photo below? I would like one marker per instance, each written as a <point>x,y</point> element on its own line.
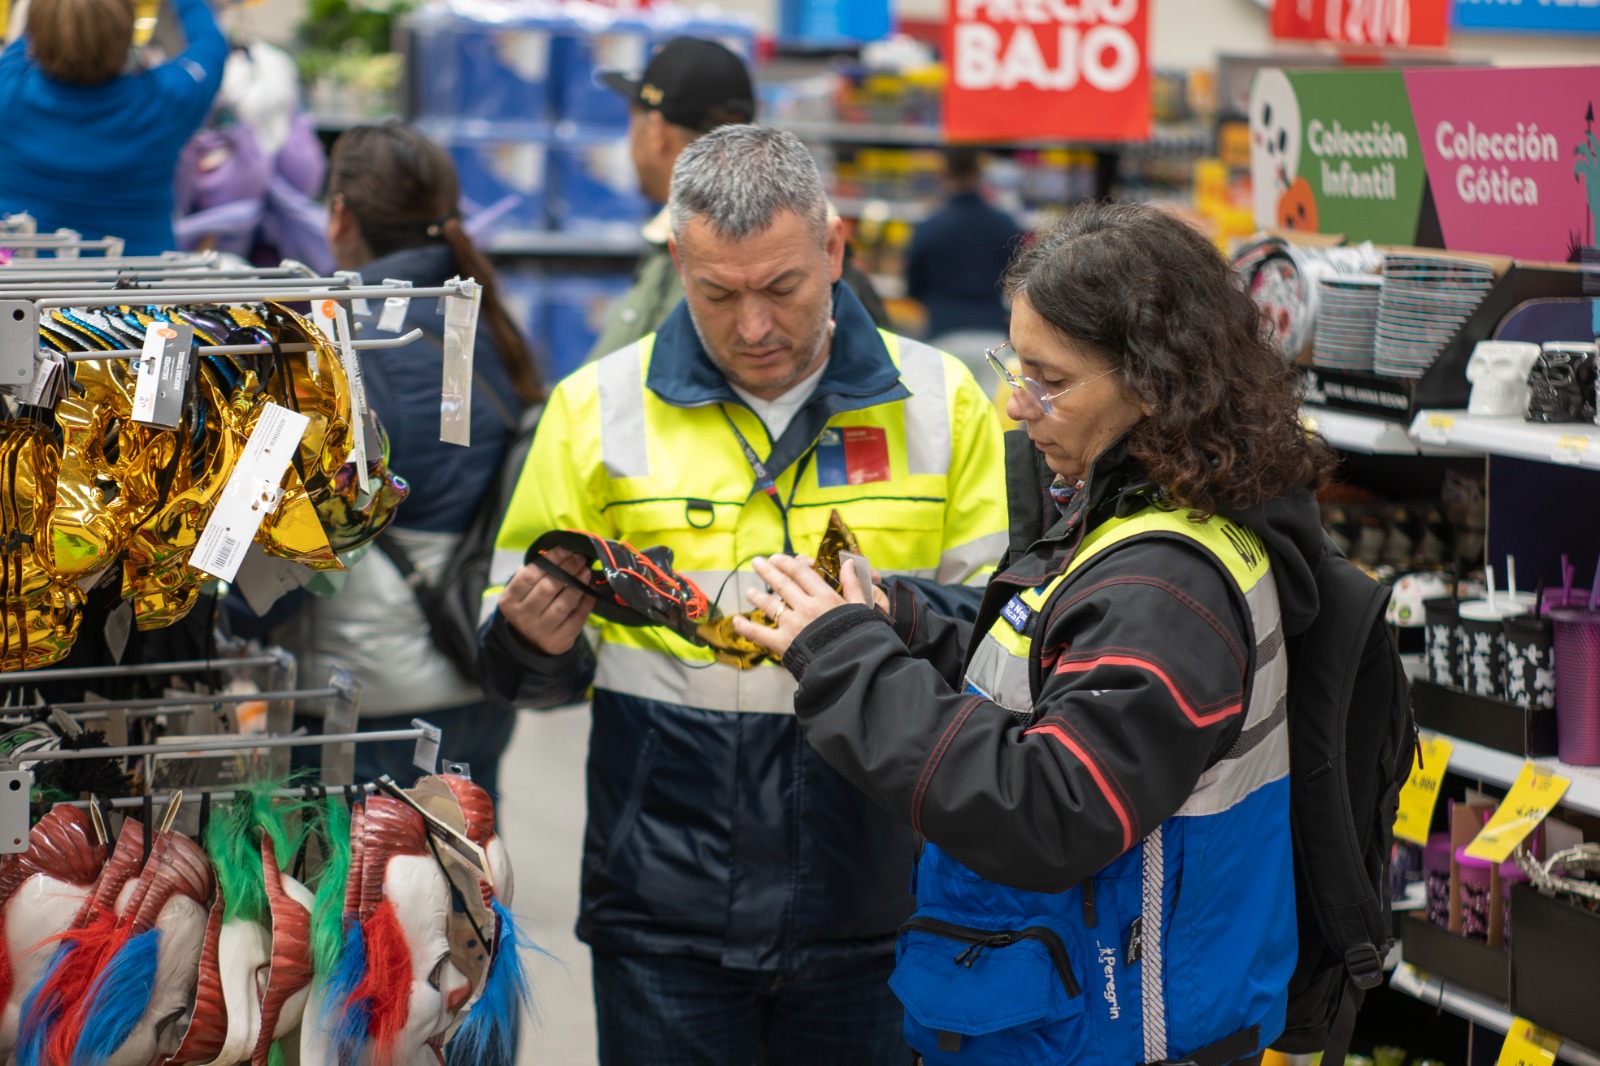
<point>392,207</point>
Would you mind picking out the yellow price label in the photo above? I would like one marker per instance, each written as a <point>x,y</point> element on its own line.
<point>1533,795</point>
<point>1528,1045</point>
<point>1436,428</point>
<point>1421,792</point>
<point>1570,449</point>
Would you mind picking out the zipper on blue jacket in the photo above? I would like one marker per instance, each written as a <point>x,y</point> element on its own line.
<point>980,940</point>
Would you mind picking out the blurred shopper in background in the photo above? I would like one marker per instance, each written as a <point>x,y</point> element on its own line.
<point>957,257</point>
<point>88,146</point>
<point>690,87</point>
<point>392,203</point>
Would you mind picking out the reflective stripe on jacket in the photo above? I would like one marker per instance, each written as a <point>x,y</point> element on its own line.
<point>1101,776</point>
<point>714,833</point>
<point>1125,938</point>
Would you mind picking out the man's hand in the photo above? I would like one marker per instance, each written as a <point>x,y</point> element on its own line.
<point>544,612</point>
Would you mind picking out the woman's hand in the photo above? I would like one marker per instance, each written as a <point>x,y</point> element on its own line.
<point>799,597</point>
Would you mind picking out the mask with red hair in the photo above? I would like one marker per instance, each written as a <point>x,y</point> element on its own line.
<point>41,892</point>
<point>135,1010</point>
<point>485,942</point>
<point>395,994</point>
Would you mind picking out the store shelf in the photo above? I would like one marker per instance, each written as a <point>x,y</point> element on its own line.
<point>337,123</point>
<point>890,286</point>
<point>910,211</point>
<point>1183,137</point>
<point>1369,436</point>
<point>1566,444</point>
<point>915,211</point>
<point>576,245</point>
<point>1481,1010</point>
<point>1501,768</point>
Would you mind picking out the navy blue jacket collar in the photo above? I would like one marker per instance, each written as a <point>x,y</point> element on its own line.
<point>423,264</point>
<point>860,374</point>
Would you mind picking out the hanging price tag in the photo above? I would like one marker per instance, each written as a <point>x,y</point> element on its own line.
<point>252,492</point>
<point>1421,792</point>
<point>392,318</point>
<point>1528,1045</point>
<point>1570,449</point>
<point>455,390</point>
<point>163,369</point>
<point>353,279</point>
<point>425,756</point>
<point>332,318</point>
<point>1436,429</point>
<point>1533,795</point>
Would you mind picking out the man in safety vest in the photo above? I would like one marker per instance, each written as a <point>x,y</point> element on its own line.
<point>740,897</point>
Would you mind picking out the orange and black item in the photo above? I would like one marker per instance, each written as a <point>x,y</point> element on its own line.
<point>631,587</point>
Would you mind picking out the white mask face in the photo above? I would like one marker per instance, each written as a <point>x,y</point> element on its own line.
<point>420,895</point>
<point>1498,371</point>
<point>183,929</point>
<point>43,907</point>
<point>244,950</point>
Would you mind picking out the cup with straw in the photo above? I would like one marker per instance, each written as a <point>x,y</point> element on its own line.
<point>1577,670</point>
<point>1482,632</point>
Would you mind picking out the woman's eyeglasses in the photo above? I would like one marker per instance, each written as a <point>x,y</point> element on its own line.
<point>1031,391</point>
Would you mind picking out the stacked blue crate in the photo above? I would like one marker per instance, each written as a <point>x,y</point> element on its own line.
<point>485,92</point>
<point>575,309</point>
<point>509,89</point>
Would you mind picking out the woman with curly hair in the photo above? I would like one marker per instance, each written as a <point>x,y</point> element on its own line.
<point>1102,776</point>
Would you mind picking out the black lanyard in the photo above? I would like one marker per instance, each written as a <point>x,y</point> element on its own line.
<point>765,482</point>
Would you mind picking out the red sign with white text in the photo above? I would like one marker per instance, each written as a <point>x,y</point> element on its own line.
<point>1070,70</point>
<point>1383,23</point>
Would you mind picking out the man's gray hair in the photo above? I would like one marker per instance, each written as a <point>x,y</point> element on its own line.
<point>739,177</point>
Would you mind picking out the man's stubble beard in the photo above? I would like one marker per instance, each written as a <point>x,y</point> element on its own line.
<point>821,329</point>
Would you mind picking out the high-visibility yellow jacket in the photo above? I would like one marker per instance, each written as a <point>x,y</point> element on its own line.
<point>713,829</point>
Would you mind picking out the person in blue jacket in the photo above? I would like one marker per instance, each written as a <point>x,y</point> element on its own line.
<point>1099,766</point>
<point>959,253</point>
<point>392,201</point>
<point>88,146</point>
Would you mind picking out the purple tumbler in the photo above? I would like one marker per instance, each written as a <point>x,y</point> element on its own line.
<point>1477,881</point>
<point>1510,874</point>
<point>1577,650</point>
<point>1436,873</point>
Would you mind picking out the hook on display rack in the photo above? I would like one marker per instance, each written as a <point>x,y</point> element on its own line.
<point>378,344</point>
<point>272,657</point>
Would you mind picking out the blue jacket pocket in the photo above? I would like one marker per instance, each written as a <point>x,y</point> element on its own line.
<point>988,996</point>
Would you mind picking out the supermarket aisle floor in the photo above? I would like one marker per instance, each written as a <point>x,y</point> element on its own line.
<point>542,811</point>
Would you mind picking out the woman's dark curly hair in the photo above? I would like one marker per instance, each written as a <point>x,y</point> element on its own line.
<point>1142,290</point>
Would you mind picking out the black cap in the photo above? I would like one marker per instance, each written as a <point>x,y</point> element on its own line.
<point>693,82</point>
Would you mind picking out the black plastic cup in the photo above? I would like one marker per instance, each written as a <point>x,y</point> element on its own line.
<point>1441,616</point>
<point>1530,662</point>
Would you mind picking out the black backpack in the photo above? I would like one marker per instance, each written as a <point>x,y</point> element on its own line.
<point>453,601</point>
<point>1351,740</point>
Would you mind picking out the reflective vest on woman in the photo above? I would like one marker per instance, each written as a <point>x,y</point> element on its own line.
<point>1180,949</point>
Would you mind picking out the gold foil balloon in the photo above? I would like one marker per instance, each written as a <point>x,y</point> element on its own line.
<point>734,650</point>
<point>156,575</point>
<point>353,518</point>
<point>314,383</point>
<point>108,477</point>
<point>41,611</point>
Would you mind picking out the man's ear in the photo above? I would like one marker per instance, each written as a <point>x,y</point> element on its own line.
<point>833,247</point>
<point>672,246</point>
